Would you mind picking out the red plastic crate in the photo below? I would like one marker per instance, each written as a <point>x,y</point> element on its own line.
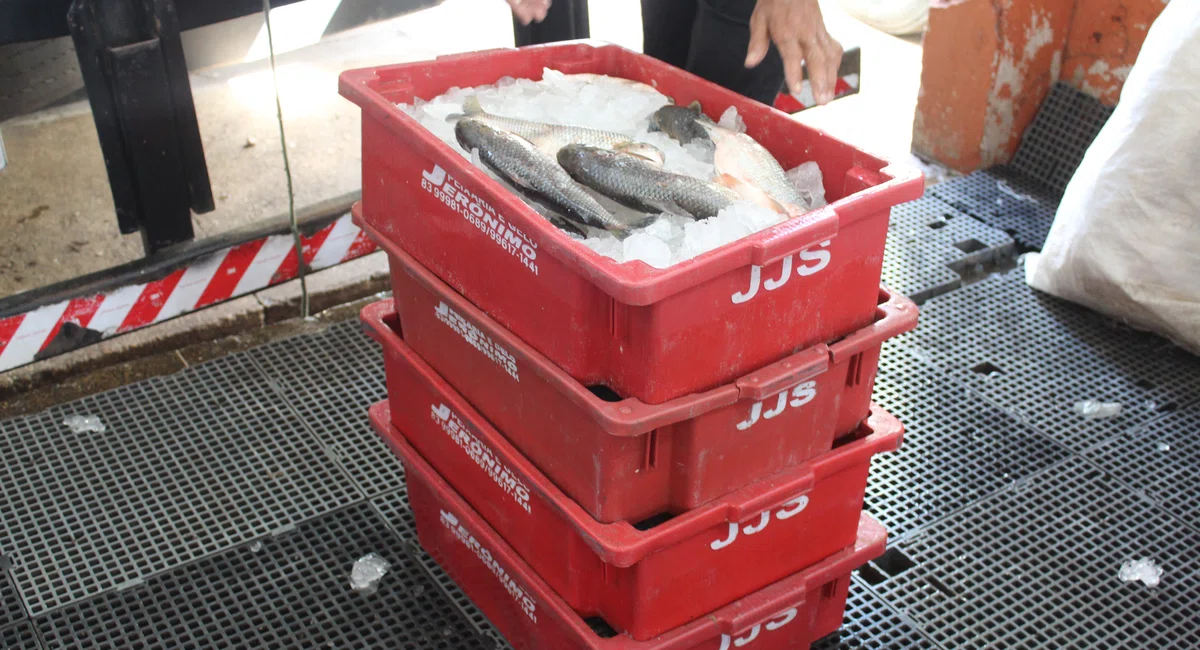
<point>643,578</point>
<point>646,459</point>
<point>646,333</point>
<point>788,614</point>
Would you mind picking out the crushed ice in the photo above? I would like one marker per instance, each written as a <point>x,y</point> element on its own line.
<point>84,424</point>
<point>732,121</point>
<point>807,179</point>
<point>1095,410</point>
<point>1144,570</point>
<point>613,104</point>
<point>1163,445</point>
<point>367,572</point>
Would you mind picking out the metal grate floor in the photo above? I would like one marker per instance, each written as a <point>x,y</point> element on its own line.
<point>1055,142</point>
<point>1004,200</point>
<point>224,505</point>
<point>933,247</point>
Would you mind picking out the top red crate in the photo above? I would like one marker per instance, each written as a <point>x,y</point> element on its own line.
<point>652,334</point>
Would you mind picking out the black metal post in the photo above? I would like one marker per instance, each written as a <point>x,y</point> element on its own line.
<point>132,62</point>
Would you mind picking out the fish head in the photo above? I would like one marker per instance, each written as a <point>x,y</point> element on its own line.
<point>576,157</point>
<point>473,133</point>
<point>647,152</point>
<point>677,121</point>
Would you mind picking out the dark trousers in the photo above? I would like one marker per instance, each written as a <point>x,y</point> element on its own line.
<point>708,38</point>
<point>567,20</point>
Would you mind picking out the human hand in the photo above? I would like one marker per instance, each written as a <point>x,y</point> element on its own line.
<point>528,11</point>
<point>798,30</point>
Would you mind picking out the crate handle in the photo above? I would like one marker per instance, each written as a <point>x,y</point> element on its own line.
<point>371,319</point>
<point>795,235</point>
<point>771,613</point>
<point>765,496</point>
<point>895,315</point>
<point>784,374</point>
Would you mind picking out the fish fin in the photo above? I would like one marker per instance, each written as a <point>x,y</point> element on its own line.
<point>455,118</point>
<point>472,106</point>
<point>695,107</point>
<point>647,153</point>
<point>792,210</point>
<point>751,193</point>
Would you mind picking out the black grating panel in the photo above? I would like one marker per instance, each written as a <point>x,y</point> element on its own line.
<point>20,636</point>
<point>190,464</point>
<point>395,510</point>
<point>869,623</point>
<point>288,591</point>
<point>1054,144</point>
<point>393,507</point>
<point>331,378</point>
<point>958,448</point>
<point>11,609</point>
<point>1036,356</point>
<point>1037,567</point>
<point>1003,200</point>
<point>932,247</point>
<point>1161,460</point>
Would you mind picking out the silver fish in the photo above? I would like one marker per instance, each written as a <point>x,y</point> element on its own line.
<point>638,185</point>
<point>757,173</point>
<point>552,137</point>
<point>525,166</point>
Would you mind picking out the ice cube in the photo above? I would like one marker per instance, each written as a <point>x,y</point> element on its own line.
<point>752,216</point>
<point>732,121</point>
<point>367,572</point>
<point>84,424</point>
<point>1096,410</point>
<point>647,248</point>
<point>660,229</point>
<point>1163,445</point>
<point>1144,570</point>
<point>808,180</point>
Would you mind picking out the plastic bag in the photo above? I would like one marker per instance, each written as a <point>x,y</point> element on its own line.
<point>1126,238</point>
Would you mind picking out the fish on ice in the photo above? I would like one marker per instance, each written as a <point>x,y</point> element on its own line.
<point>528,168</point>
<point>636,184</point>
<point>552,137</point>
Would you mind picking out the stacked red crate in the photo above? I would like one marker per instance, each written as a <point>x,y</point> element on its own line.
<point>682,453</point>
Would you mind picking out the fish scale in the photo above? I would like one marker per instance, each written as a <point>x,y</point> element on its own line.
<point>638,185</point>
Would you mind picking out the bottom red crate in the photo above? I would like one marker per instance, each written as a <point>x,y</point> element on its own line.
<point>646,577</point>
<point>787,615</point>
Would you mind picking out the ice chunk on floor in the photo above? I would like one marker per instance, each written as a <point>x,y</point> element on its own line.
<point>732,121</point>
<point>84,424</point>
<point>808,180</point>
<point>647,248</point>
<point>1163,445</point>
<point>1096,410</point>
<point>367,572</point>
<point>1144,570</point>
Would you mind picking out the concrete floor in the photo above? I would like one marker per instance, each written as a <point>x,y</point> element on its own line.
<point>56,207</point>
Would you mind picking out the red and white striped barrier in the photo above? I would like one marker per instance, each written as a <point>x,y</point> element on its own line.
<point>227,273</point>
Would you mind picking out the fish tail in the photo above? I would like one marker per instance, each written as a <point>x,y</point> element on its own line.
<point>472,106</point>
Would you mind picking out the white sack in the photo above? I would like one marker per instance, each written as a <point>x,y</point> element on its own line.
<point>1126,239</point>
